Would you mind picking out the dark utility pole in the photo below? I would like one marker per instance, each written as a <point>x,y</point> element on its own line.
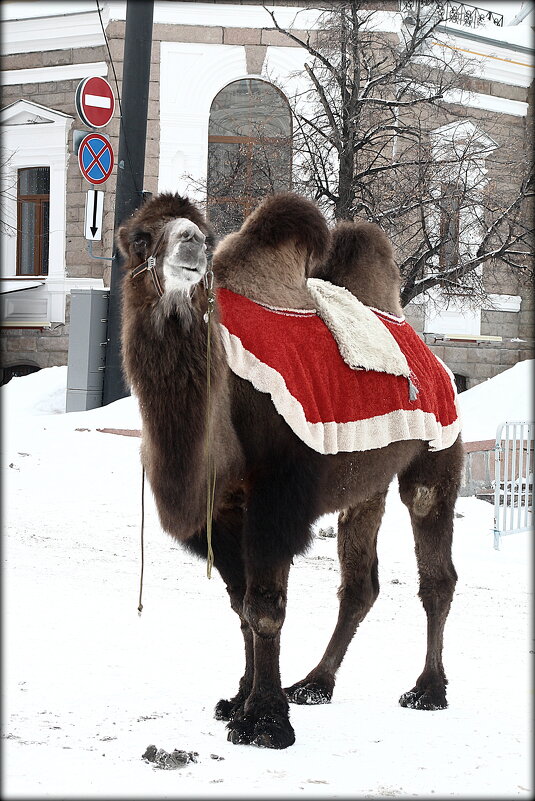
<point>130,170</point>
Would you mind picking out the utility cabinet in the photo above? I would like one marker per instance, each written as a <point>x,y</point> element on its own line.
<point>87,348</point>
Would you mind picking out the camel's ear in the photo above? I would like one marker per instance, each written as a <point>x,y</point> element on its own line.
<point>133,242</point>
<point>122,240</point>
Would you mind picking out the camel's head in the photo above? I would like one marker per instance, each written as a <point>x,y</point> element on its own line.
<point>174,231</point>
<point>281,241</point>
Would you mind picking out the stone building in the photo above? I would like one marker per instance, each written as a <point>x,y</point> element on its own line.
<point>205,55</point>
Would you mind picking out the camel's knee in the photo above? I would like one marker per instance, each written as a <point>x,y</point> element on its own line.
<point>438,588</point>
<point>264,609</point>
<point>419,499</point>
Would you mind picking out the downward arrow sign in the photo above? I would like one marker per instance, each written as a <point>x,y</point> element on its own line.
<point>94,227</point>
<point>93,214</point>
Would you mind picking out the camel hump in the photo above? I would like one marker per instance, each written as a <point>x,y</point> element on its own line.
<point>286,217</point>
<point>361,259</point>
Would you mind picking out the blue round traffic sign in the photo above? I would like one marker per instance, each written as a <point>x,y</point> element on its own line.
<point>95,158</point>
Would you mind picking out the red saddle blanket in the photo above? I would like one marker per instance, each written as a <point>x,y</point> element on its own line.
<point>292,355</point>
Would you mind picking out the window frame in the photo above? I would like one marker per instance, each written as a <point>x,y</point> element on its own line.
<point>247,201</point>
<point>38,202</point>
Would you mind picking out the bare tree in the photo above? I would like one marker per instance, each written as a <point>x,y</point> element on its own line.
<point>381,132</point>
<point>8,192</point>
<point>240,174</point>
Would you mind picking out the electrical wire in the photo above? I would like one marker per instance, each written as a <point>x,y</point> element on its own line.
<point>99,10</point>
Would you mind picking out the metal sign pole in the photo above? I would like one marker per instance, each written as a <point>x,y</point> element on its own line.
<point>130,170</point>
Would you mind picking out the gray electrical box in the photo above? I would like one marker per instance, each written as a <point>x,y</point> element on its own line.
<point>87,348</point>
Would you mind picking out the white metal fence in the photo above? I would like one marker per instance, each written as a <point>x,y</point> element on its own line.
<point>513,483</point>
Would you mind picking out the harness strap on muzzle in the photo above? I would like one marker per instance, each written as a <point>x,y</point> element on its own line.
<point>149,265</point>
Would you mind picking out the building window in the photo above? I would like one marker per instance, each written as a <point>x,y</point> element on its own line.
<point>33,194</point>
<point>249,150</point>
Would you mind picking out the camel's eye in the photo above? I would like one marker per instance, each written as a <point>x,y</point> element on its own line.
<point>140,244</point>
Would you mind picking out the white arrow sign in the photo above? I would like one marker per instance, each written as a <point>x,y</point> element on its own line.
<point>94,206</point>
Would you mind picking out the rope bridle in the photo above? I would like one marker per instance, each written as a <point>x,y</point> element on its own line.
<point>149,265</point>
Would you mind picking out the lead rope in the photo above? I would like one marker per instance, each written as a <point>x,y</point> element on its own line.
<point>140,605</point>
<point>210,467</point>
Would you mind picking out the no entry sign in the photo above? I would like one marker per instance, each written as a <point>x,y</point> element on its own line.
<point>95,102</point>
<point>95,158</point>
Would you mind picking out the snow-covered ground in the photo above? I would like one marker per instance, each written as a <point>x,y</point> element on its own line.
<point>88,684</point>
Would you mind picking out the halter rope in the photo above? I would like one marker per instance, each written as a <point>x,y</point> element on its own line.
<point>210,466</point>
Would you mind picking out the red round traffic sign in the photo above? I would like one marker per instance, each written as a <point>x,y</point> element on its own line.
<point>95,103</point>
<point>95,158</point>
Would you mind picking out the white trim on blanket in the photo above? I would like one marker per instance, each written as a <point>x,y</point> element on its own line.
<point>389,316</point>
<point>329,438</point>
<point>286,312</point>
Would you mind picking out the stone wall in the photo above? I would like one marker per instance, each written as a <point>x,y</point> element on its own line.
<point>34,346</point>
<point>49,347</point>
<point>479,360</point>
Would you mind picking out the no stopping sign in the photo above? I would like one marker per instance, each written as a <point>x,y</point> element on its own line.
<point>95,158</point>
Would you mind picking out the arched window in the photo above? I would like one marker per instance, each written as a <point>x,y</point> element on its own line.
<point>249,150</point>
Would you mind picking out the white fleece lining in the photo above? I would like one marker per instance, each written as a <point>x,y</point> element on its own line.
<point>362,339</point>
<point>360,435</point>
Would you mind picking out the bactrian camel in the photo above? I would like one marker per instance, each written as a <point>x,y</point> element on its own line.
<point>272,483</point>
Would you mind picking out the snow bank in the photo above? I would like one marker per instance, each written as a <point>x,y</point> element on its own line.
<point>507,396</point>
<point>42,392</point>
<point>45,392</point>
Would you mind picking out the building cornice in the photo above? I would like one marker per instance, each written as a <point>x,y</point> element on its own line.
<point>51,33</point>
<point>65,72</point>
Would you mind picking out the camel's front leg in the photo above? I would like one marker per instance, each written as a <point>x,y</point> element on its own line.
<point>264,720</point>
<point>228,560</point>
<point>280,509</point>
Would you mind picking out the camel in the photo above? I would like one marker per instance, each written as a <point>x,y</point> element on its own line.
<point>270,485</point>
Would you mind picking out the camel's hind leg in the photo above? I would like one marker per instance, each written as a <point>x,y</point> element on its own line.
<point>357,551</point>
<point>429,489</point>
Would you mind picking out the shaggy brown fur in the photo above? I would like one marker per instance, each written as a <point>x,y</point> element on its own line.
<point>270,485</point>
<point>360,258</point>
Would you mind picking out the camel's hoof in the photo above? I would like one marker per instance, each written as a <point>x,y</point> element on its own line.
<point>273,733</point>
<point>238,737</point>
<point>240,730</point>
<point>266,732</point>
<point>424,699</point>
<point>227,709</point>
<point>312,692</point>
